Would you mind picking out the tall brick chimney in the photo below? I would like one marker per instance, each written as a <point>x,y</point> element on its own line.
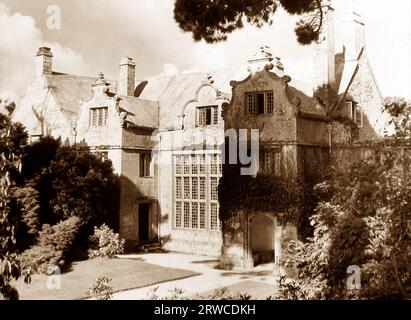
<point>126,83</point>
<point>44,61</point>
<point>324,63</point>
<point>353,30</point>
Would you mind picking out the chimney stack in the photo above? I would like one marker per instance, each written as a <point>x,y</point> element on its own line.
<point>126,83</point>
<point>44,61</point>
<point>324,56</point>
<point>353,31</point>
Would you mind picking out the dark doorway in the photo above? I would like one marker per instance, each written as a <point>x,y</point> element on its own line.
<point>143,221</point>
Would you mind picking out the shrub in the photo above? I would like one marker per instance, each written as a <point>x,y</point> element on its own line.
<point>25,209</point>
<point>13,140</point>
<point>105,243</point>
<point>53,246</point>
<point>362,223</point>
<point>39,258</point>
<point>72,182</point>
<point>60,236</point>
<point>101,289</point>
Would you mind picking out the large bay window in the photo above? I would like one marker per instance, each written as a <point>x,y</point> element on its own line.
<point>196,178</point>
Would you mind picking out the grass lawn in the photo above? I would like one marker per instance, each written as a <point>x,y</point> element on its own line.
<point>257,290</point>
<point>125,274</point>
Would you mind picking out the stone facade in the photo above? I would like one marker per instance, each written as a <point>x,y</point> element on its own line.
<point>186,138</point>
<point>295,129</point>
<point>165,136</point>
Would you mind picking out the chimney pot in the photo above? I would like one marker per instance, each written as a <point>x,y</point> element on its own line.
<point>44,61</point>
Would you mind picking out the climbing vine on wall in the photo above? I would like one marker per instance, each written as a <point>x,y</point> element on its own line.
<point>285,197</point>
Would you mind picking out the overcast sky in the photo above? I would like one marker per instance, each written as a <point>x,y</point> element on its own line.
<point>95,34</point>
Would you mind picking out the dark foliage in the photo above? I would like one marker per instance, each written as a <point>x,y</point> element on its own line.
<point>328,98</point>
<point>399,109</point>
<point>26,210</point>
<point>53,246</point>
<point>260,193</point>
<point>13,140</point>
<point>68,183</point>
<point>361,221</point>
<point>72,183</point>
<point>214,20</point>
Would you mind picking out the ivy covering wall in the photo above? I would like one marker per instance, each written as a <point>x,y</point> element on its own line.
<point>289,199</point>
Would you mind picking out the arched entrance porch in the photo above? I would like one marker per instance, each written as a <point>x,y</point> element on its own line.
<point>264,243</point>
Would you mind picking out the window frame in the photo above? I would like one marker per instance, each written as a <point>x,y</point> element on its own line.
<point>252,106</point>
<point>94,118</point>
<point>213,116</point>
<point>354,110</point>
<point>145,167</point>
<point>206,176</point>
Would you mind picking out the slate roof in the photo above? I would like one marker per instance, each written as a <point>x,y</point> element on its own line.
<point>68,90</point>
<point>173,92</point>
<point>161,98</point>
<point>140,112</point>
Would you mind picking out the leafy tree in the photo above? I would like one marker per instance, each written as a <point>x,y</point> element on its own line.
<point>399,110</point>
<point>362,221</point>
<point>214,20</point>
<point>25,209</point>
<point>71,182</point>
<point>13,140</point>
<point>328,98</point>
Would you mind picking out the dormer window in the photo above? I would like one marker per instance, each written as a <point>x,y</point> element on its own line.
<point>355,113</point>
<point>207,116</point>
<point>261,102</point>
<point>98,116</point>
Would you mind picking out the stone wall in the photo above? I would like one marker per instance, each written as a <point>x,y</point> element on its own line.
<point>313,161</point>
<point>343,156</point>
<point>202,242</point>
<point>237,251</point>
<point>280,126</point>
<point>136,190</point>
<point>364,90</point>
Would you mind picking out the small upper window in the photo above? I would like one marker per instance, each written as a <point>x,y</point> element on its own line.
<point>145,165</point>
<point>98,116</point>
<point>355,113</point>
<point>207,116</point>
<point>260,102</point>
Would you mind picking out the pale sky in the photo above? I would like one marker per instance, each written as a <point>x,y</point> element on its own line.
<point>95,34</point>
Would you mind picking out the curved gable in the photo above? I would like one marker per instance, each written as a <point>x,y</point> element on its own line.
<point>206,96</point>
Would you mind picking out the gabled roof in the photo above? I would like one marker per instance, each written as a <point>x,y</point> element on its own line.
<point>140,112</point>
<point>173,92</point>
<point>306,105</point>
<point>68,90</point>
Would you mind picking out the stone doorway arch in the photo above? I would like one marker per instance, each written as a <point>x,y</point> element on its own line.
<point>264,240</point>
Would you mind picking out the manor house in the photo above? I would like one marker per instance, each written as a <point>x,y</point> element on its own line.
<point>164,134</point>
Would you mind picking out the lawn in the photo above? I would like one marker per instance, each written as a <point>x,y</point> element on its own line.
<point>125,274</point>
